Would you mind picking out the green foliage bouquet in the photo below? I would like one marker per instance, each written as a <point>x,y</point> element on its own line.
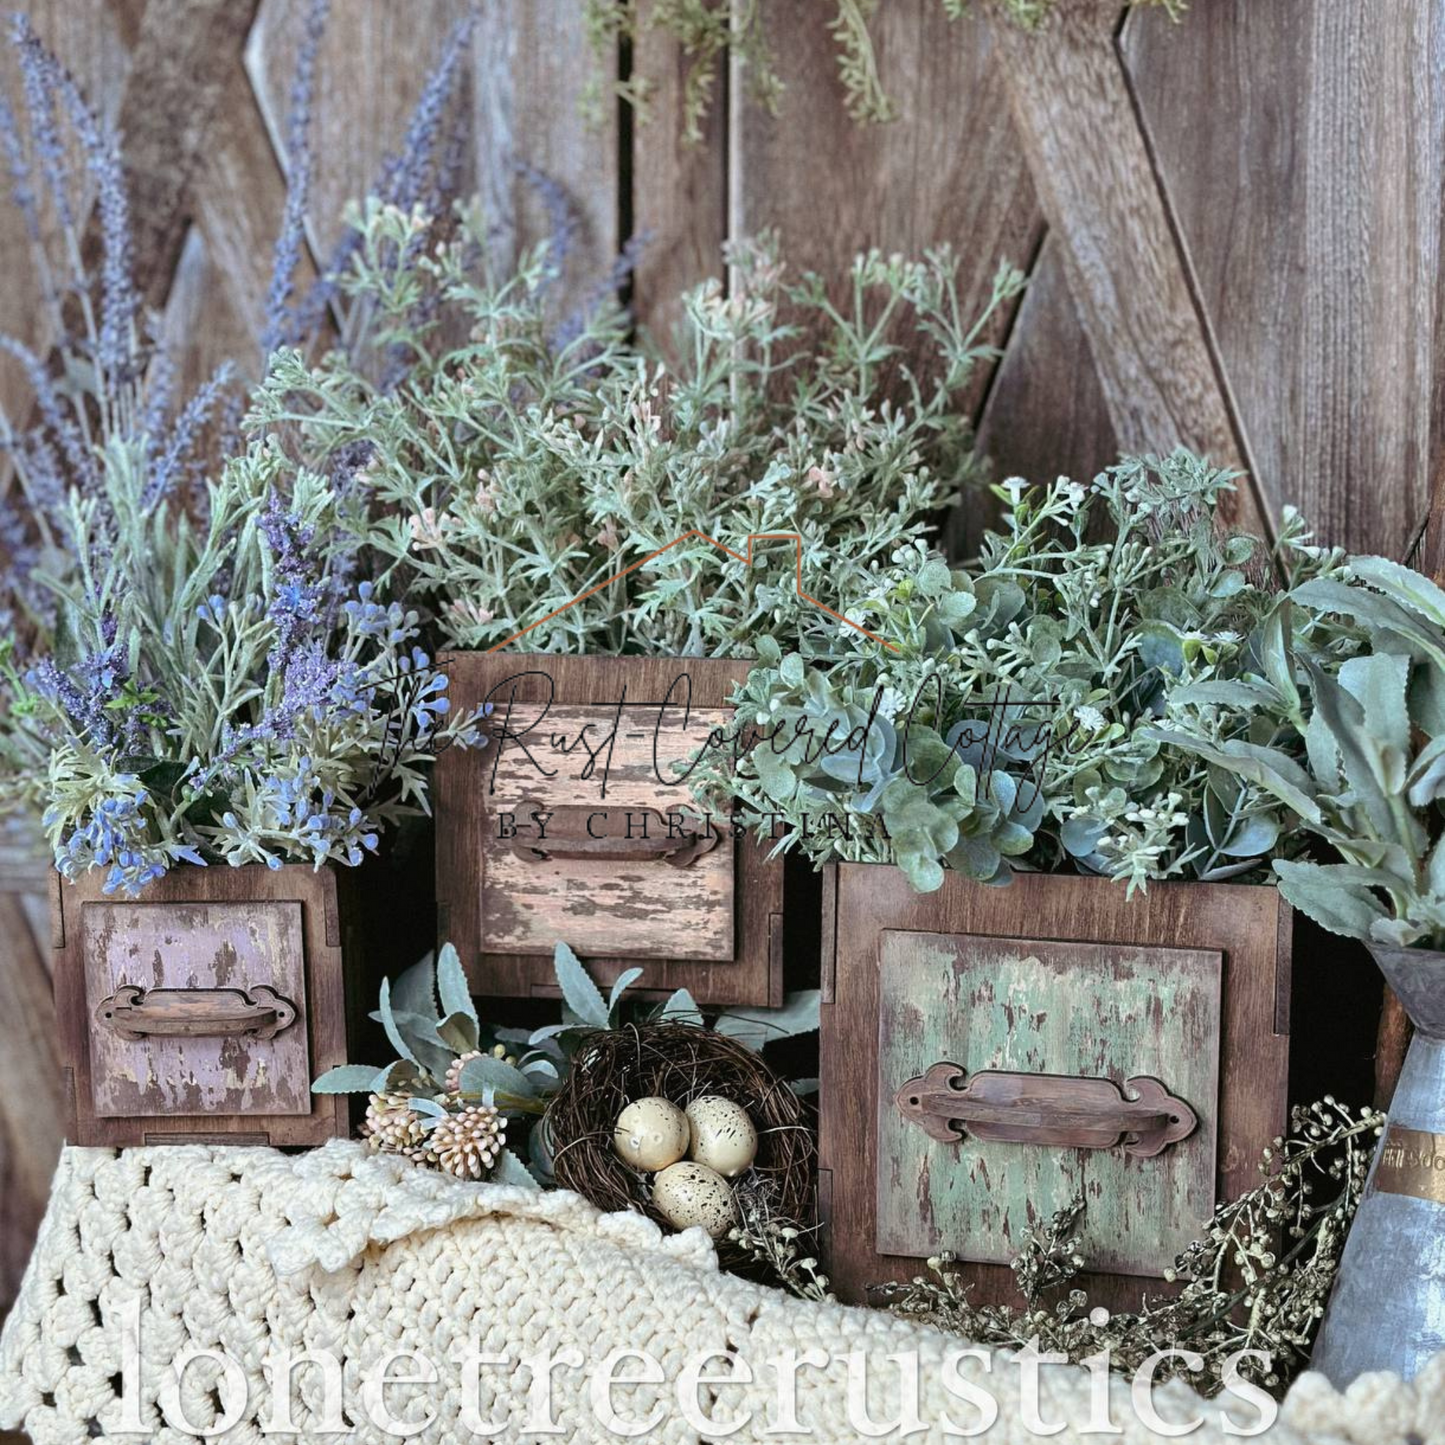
<point>1354,670</point>
<point>1016,724</point>
<point>537,461</point>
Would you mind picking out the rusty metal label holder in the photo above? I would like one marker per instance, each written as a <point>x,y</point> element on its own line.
<point>135,1013</point>
<point>1046,1109</point>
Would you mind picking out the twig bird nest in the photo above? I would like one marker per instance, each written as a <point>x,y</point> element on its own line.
<point>678,1062</point>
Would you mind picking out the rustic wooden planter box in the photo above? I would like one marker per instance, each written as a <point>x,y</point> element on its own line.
<point>530,850</point>
<point>989,1052</point>
<point>201,1011</point>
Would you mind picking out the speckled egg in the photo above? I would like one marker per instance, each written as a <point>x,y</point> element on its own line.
<point>688,1194</point>
<point>651,1134</point>
<point>721,1135</point>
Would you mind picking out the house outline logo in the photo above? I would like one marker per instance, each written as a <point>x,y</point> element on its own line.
<point>795,537</point>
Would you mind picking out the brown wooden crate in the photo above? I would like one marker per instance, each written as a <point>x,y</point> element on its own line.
<point>1248,928</point>
<point>716,931</point>
<point>231,927</point>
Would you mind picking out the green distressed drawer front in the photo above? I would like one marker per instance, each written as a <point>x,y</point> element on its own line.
<point>1086,1010</point>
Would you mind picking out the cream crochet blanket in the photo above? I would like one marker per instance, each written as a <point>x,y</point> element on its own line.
<point>250,1253</point>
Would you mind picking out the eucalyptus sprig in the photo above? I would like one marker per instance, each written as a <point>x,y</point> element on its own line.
<point>1015,720</point>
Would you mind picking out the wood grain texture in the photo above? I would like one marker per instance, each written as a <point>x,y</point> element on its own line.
<point>949,170</point>
<point>1249,927</point>
<point>1045,414</point>
<point>32,1116</point>
<point>194,946</point>
<point>1086,1011</point>
<point>641,906</point>
<point>91,41</point>
<point>518,100</point>
<point>1301,148</point>
<point>471,911</point>
<point>1070,98</point>
<point>230,917</point>
<point>183,59</point>
<point>679,191</point>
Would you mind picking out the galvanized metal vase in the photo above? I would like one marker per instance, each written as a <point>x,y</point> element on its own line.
<point>1387,1310</point>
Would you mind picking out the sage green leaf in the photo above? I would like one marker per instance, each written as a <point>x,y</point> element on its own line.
<point>1426,779</point>
<point>415,990</point>
<point>511,1171</point>
<point>924,874</point>
<point>1334,895</point>
<point>419,1104</point>
<point>624,981</point>
<point>1359,752</point>
<point>479,1075</point>
<point>580,992</point>
<point>754,1027</point>
<point>452,986</point>
<point>388,1023</point>
<point>681,1007</point>
<point>346,1079</point>
<point>1404,585</point>
<point>1274,771</point>
<point>1252,838</point>
<point>1377,682</point>
<point>459,1032</point>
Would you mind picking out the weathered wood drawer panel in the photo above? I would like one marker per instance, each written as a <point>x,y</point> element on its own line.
<point>989,1053</point>
<point>203,1009</point>
<point>571,825</point>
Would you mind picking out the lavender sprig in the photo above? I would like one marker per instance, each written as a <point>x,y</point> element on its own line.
<point>282,326</point>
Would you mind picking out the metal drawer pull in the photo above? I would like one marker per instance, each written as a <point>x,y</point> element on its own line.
<point>195,1013</point>
<point>1053,1109</point>
<point>575,833</point>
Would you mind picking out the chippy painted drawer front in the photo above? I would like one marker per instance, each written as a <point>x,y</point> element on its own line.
<point>995,1055</point>
<point>196,1008</point>
<point>572,824</point>
<point>623,866</point>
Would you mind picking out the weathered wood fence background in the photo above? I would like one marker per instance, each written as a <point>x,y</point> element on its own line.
<point>1232,226</point>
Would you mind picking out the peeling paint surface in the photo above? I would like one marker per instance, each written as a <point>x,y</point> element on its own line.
<point>196,946</point>
<point>605,908</point>
<point>1079,1009</point>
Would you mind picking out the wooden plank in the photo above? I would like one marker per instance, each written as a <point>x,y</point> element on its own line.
<point>84,966</point>
<point>642,905</point>
<point>518,92</point>
<point>1045,415</point>
<point>750,973</point>
<point>948,169</point>
<point>1070,99</point>
<point>185,54</point>
<point>239,195</point>
<point>32,1103</point>
<point>1302,149</point>
<point>679,190</point>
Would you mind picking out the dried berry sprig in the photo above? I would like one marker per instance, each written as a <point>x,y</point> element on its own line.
<point>1258,1280</point>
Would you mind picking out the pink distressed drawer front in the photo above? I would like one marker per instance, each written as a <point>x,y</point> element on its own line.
<point>190,946</point>
<point>602,907</point>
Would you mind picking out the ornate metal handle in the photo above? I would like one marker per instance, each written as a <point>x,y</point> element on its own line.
<point>1052,1109</point>
<point>569,833</point>
<point>195,1013</point>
